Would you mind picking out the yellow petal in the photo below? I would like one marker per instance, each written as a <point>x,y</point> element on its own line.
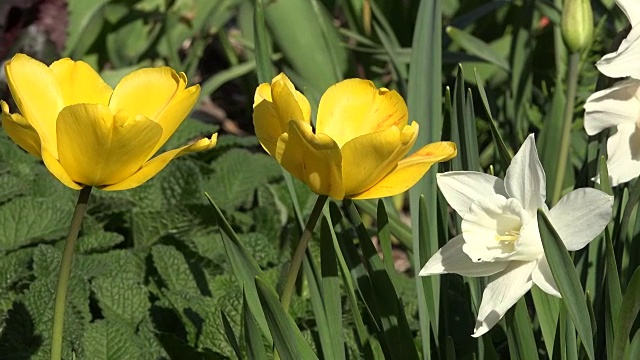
<point>313,159</point>
<point>263,92</point>
<point>98,148</point>
<point>290,104</point>
<point>368,158</point>
<point>79,83</point>
<point>174,114</point>
<point>274,105</point>
<point>147,91</point>
<point>56,169</point>
<point>152,167</point>
<point>20,131</point>
<point>355,107</point>
<point>38,95</point>
<point>410,170</point>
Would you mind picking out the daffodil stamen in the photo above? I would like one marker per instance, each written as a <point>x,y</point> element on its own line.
<point>510,235</point>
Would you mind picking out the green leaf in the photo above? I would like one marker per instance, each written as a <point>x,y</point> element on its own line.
<point>505,154</point>
<point>85,23</point>
<point>98,241</point>
<point>316,53</point>
<point>26,220</point>
<point>244,267</point>
<point>331,294</point>
<point>287,338</point>
<point>547,310</point>
<point>477,47</point>
<point>238,173</point>
<point>173,268</point>
<point>231,336</point>
<point>627,315</point>
<point>122,299</point>
<point>262,45</point>
<point>111,340</point>
<point>253,339</point>
<point>568,281</point>
<point>522,344</point>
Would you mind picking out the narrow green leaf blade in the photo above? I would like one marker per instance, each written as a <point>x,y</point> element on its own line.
<point>568,282</point>
<point>287,338</point>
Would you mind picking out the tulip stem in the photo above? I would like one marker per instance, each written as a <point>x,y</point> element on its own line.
<point>65,272</point>
<point>298,255</point>
<point>565,140</point>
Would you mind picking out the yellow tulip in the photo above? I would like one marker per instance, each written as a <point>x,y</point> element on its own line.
<point>361,138</point>
<point>88,134</point>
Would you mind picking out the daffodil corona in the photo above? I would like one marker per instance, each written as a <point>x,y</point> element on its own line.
<point>89,134</point>
<point>361,138</point>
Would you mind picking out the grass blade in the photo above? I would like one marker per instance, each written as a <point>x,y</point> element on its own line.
<point>252,336</point>
<point>627,315</point>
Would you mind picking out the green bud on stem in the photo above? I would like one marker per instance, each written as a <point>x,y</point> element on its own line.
<point>577,24</point>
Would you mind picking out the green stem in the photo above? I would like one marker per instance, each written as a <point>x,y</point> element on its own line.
<point>298,255</point>
<point>563,154</point>
<point>65,272</point>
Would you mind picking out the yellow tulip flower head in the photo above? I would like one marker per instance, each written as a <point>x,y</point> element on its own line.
<point>89,134</point>
<point>361,138</point>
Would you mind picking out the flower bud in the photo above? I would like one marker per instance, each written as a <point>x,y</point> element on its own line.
<point>577,24</point>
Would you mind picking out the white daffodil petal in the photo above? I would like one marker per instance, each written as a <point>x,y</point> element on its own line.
<point>542,277</point>
<point>613,106</point>
<point>623,149</point>
<point>624,61</point>
<point>461,188</point>
<point>450,259</point>
<point>580,216</point>
<point>631,8</point>
<point>503,291</point>
<point>525,179</point>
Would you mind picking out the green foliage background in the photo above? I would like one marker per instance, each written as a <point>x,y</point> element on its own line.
<point>161,273</point>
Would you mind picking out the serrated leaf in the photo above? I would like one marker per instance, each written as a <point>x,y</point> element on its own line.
<point>98,241</point>
<point>173,269</point>
<point>10,187</point>
<point>110,340</point>
<point>264,251</point>
<point>120,262</point>
<point>121,299</point>
<point>238,173</point>
<point>181,183</point>
<point>27,220</point>
<point>149,226</point>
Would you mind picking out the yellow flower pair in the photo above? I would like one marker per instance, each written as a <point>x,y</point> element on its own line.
<point>89,134</point>
<point>361,138</point>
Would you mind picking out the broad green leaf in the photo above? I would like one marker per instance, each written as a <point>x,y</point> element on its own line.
<point>568,282</point>
<point>121,299</point>
<point>173,269</point>
<point>98,241</point>
<point>238,173</point>
<point>108,339</point>
<point>27,220</point>
<point>286,336</point>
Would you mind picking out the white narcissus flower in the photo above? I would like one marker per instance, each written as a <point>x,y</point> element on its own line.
<point>624,61</point>
<point>500,236</point>
<point>617,106</point>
